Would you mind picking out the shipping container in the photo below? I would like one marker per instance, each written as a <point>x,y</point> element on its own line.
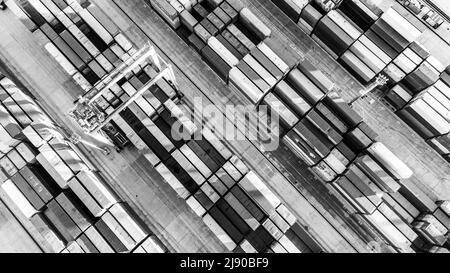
<point>305,86</point>
<point>42,225</point>
<point>18,198</point>
<point>301,148</point>
<point>28,191</point>
<point>252,22</point>
<point>354,196</point>
<point>97,240</point>
<point>62,221</point>
<point>259,192</point>
<point>153,245</point>
<point>324,126</point>
<point>245,85</point>
<point>110,237</point>
<point>129,220</point>
<point>292,98</point>
<point>173,181</point>
<point>100,191</point>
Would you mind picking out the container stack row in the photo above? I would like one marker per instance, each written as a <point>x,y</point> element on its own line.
<point>82,39</point>
<point>365,39</point>
<point>230,198</point>
<point>236,44</point>
<point>423,102</point>
<point>71,206</point>
<point>368,42</point>
<point>323,130</point>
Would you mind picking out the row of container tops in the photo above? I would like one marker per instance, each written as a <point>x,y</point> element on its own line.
<point>231,199</point>
<point>82,39</point>
<point>71,207</point>
<point>248,76</point>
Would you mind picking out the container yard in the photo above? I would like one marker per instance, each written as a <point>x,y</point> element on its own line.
<point>224,126</point>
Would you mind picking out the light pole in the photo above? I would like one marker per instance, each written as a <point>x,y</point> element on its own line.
<point>379,81</point>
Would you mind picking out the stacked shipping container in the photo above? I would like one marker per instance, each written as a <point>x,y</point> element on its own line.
<point>359,35</point>
<point>82,39</point>
<point>236,205</point>
<point>70,206</point>
<point>320,127</point>
<point>341,149</point>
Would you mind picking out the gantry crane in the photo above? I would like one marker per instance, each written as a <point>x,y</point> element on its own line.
<point>87,112</point>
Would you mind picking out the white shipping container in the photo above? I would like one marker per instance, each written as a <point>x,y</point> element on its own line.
<point>92,22</point>
<point>126,219</point>
<point>437,106</point>
<point>405,64</point>
<point>412,56</point>
<point>60,58</point>
<point>172,181</point>
<point>242,211</point>
<point>26,152</point>
<point>91,204</point>
<point>53,158</point>
<point>75,214</point>
<point>335,163</point>
<point>177,113</point>
<point>439,97</point>
<point>375,49</point>
<point>16,159</point>
<point>252,22</point>
<point>18,198</point>
<point>390,161</point>
<point>98,241</point>
<point>261,71</point>
<point>279,222</point>
<point>74,247</point>
<point>41,224</point>
<point>188,167</point>
<point>22,16</point>
<point>389,231</point>
<point>278,248</point>
<point>239,164</point>
<point>232,171</point>
<point>8,166</point>
<point>401,25</point>
<point>216,143</point>
<point>123,42</point>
